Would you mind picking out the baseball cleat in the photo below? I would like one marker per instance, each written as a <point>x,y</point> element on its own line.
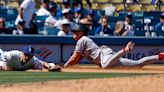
<point>129,47</point>
<point>161,56</point>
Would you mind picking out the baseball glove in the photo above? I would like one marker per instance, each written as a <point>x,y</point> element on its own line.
<point>55,68</point>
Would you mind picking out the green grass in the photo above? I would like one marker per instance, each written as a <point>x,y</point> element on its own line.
<point>7,77</point>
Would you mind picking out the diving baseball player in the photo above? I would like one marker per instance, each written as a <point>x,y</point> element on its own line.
<point>104,56</point>
<point>23,60</point>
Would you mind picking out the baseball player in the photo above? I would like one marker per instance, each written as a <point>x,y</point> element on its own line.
<point>24,60</point>
<point>104,56</point>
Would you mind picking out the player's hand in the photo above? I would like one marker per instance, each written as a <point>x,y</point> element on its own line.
<point>55,68</point>
<point>129,47</point>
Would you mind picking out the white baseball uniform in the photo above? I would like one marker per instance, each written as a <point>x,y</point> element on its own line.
<point>28,11</point>
<point>105,56</point>
<point>12,59</point>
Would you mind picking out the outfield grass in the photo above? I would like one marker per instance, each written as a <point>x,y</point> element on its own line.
<point>20,76</point>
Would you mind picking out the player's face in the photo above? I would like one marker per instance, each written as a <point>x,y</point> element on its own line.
<point>77,35</point>
<point>27,57</point>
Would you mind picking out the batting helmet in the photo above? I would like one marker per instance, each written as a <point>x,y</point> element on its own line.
<point>80,28</point>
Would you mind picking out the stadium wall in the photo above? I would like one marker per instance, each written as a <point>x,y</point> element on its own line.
<point>59,49</point>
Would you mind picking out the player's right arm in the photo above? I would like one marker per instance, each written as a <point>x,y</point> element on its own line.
<point>20,11</point>
<point>74,59</point>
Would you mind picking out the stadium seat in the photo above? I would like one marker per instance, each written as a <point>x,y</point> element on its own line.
<point>115,19</point>
<point>119,7</point>
<point>94,6</point>
<point>112,25</point>
<point>145,1</point>
<point>138,23</point>
<point>101,1</point>
<point>51,30</point>
<point>110,10</point>
<point>103,6</point>
<point>149,7</point>
<point>57,1</point>
<point>115,1</point>
<point>99,12</point>
<point>13,4</point>
<point>39,21</point>
<point>139,32</point>
<point>162,8</point>
<point>159,32</point>
<point>138,14</point>
<point>154,16</point>
<point>123,13</point>
<point>133,7</point>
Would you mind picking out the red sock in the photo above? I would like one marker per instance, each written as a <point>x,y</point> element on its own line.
<point>161,56</point>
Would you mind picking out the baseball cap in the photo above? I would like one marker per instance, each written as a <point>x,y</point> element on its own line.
<point>65,2</point>
<point>79,28</point>
<point>28,50</point>
<point>162,16</point>
<point>129,15</point>
<point>65,21</point>
<point>21,22</point>
<point>52,6</point>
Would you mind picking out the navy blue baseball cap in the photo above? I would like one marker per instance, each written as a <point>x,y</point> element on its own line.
<point>28,50</point>
<point>162,16</point>
<point>52,6</point>
<point>65,2</point>
<point>129,15</point>
<point>21,22</point>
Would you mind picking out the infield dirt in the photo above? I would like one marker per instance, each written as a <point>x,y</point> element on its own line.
<point>148,83</point>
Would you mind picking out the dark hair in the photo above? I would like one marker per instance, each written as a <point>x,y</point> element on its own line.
<point>129,16</point>
<point>52,6</point>
<point>46,1</point>
<point>85,31</point>
<point>105,17</point>
<point>162,16</point>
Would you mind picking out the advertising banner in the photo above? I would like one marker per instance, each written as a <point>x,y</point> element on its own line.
<point>49,53</point>
<point>57,53</point>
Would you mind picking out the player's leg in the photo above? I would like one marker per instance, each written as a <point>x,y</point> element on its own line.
<point>3,66</point>
<point>108,60</point>
<point>143,61</point>
<point>139,63</point>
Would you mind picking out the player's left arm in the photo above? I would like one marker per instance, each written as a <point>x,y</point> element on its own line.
<point>45,66</point>
<point>74,59</point>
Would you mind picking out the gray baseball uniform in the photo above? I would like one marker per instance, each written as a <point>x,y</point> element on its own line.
<point>105,56</point>
<point>12,59</point>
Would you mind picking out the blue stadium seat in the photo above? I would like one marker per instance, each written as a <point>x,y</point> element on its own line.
<point>159,32</point>
<point>138,23</point>
<point>115,19</point>
<point>39,21</point>
<point>3,11</point>
<point>52,30</point>
<point>139,32</point>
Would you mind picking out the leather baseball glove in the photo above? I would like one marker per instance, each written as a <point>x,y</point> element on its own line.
<point>55,68</point>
